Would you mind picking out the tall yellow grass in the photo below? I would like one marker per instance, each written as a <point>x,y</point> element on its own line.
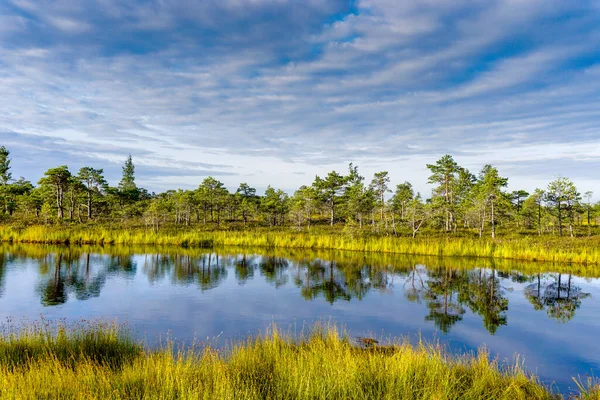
<point>584,250</point>
<point>323,364</point>
<point>390,262</point>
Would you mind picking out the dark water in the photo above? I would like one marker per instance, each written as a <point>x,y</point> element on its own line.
<point>550,318</point>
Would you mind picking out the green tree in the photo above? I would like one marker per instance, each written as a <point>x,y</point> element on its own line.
<point>12,192</point>
<point>94,182</point>
<point>490,186</point>
<point>416,214</point>
<point>184,203</point>
<point>403,194</point>
<point>303,204</point>
<point>247,200</point>
<point>562,196</point>
<point>75,191</point>
<point>212,195</point>
<point>533,208</point>
<point>443,174</point>
<point>517,197</point>
<point>5,178</point>
<point>57,180</point>
<point>5,175</point>
<point>379,184</point>
<point>359,200</point>
<point>275,205</point>
<point>31,202</point>
<point>159,209</point>
<point>127,186</point>
<point>329,191</point>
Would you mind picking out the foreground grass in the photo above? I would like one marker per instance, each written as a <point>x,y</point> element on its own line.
<point>583,250</point>
<point>99,361</point>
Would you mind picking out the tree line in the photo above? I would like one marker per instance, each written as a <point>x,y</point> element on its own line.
<point>460,201</point>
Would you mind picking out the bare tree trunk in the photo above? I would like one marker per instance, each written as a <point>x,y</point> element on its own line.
<point>571,226</point>
<point>493,222</point>
<point>332,214</point>
<point>59,202</point>
<point>559,220</point>
<point>89,205</point>
<point>481,226</point>
<point>540,218</point>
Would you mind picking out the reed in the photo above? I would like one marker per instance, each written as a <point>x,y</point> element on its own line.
<point>347,260</point>
<point>582,250</point>
<point>100,342</point>
<point>321,364</point>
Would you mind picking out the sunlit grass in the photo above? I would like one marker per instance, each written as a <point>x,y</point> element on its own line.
<point>583,250</point>
<point>322,364</point>
<point>103,343</point>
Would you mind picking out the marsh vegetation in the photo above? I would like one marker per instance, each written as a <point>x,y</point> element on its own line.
<point>223,295</point>
<point>71,362</point>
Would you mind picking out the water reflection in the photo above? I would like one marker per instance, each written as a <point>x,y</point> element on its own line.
<point>547,313</point>
<point>3,261</point>
<point>442,297</point>
<point>206,271</point>
<point>560,299</point>
<point>65,272</point>
<point>446,288</point>
<point>244,268</point>
<point>484,295</point>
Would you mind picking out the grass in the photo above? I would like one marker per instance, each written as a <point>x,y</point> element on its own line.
<point>65,363</point>
<point>97,342</point>
<point>345,260</point>
<point>582,250</point>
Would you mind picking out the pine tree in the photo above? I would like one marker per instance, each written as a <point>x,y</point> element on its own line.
<point>128,190</point>
<point>5,175</point>
<point>128,181</point>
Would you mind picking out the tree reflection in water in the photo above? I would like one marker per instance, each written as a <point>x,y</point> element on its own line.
<point>274,270</point>
<point>442,297</point>
<point>560,298</point>
<point>484,295</point>
<point>4,259</point>
<point>447,292</point>
<point>67,272</point>
<point>244,269</point>
<point>322,278</point>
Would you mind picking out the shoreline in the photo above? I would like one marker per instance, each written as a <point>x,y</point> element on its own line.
<point>583,251</point>
<point>101,360</point>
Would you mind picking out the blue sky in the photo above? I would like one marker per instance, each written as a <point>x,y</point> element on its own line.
<point>276,91</point>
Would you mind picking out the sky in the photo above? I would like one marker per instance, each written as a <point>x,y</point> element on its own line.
<point>274,92</point>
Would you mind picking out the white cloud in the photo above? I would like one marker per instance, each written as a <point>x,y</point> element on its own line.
<point>392,87</point>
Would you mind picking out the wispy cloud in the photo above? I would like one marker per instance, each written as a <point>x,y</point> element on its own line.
<point>276,91</point>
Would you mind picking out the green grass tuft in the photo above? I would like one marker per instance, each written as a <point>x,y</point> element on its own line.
<point>322,364</point>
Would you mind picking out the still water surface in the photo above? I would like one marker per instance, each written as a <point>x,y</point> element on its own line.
<point>550,318</point>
